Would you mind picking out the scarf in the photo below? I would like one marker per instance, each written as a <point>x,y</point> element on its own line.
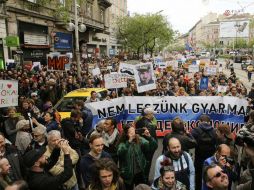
<point>168,154</point>
<point>108,140</point>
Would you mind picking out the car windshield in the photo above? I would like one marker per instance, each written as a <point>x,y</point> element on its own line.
<point>67,104</point>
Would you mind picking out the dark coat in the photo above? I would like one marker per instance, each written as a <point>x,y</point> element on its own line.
<point>70,128</point>
<point>86,166</point>
<point>14,157</point>
<point>187,140</point>
<point>44,180</point>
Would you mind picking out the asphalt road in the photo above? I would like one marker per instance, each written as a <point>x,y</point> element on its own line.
<point>241,74</point>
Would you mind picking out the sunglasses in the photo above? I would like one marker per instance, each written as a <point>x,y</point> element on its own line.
<point>218,174</point>
<point>168,168</point>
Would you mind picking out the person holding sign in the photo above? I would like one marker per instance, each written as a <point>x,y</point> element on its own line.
<point>145,75</point>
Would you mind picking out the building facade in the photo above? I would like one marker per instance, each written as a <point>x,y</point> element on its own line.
<point>3,34</point>
<point>118,9</point>
<point>40,31</point>
<point>212,31</point>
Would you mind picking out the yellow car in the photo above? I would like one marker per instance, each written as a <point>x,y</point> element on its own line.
<point>66,104</point>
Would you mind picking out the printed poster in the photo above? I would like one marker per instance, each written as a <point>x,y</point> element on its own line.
<point>8,93</point>
<point>127,69</point>
<point>115,80</point>
<point>144,77</point>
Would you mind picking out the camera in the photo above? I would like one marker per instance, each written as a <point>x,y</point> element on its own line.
<point>245,135</point>
<point>229,160</point>
<point>140,131</point>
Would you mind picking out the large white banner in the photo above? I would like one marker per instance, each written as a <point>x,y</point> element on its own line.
<point>8,93</point>
<point>115,80</point>
<point>230,110</point>
<point>233,29</point>
<point>144,77</point>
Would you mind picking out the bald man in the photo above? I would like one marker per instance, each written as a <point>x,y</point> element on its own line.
<point>180,160</point>
<point>222,158</point>
<point>4,173</point>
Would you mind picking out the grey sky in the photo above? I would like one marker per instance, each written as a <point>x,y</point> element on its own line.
<point>183,14</point>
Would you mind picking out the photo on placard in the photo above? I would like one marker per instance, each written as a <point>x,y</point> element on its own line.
<point>204,83</point>
<point>127,69</point>
<point>144,77</point>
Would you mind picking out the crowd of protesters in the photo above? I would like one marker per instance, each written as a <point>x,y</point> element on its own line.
<point>39,150</point>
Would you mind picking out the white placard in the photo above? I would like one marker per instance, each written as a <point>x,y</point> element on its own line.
<point>96,71</point>
<point>211,70</point>
<point>222,89</point>
<point>144,77</point>
<point>115,80</point>
<point>36,66</point>
<point>9,93</point>
<point>173,63</point>
<point>109,67</point>
<point>127,69</point>
<point>193,68</point>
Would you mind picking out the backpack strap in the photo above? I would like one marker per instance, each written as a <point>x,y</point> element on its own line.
<point>187,160</point>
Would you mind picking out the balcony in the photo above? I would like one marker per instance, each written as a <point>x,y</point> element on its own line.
<point>104,3</point>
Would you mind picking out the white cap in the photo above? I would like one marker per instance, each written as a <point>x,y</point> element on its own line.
<point>149,110</point>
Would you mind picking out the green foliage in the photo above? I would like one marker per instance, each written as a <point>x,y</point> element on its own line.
<point>251,43</point>
<point>62,12</point>
<point>144,32</point>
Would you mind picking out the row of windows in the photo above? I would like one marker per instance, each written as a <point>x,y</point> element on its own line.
<point>35,1</point>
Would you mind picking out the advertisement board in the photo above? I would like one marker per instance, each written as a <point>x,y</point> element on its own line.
<point>232,29</point>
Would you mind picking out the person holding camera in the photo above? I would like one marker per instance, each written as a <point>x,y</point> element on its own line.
<point>132,152</point>
<point>39,165</point>
<point>246,180</point>
<point>222,158</point>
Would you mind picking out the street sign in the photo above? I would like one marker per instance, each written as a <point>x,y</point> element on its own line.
<point>12,41</point>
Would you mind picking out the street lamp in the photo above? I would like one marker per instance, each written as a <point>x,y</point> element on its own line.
<point>237,26</point>
<point>78,28</point>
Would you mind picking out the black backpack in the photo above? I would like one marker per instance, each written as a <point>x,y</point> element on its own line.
<point>206,142</point>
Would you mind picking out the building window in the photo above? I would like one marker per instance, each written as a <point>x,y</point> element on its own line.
<point>102,15</point>
<point>32,1</point>
<point>62,2</point>
<point>89,10</point>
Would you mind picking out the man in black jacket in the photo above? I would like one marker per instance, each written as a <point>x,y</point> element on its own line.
<point>187,140</point>
<point>39,177</point>
<point>72,130</point>
<point>11,153</point>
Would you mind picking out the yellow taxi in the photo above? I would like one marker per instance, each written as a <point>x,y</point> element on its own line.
<point>66,104</point>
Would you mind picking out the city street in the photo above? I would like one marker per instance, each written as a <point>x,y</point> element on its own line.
<point>89,89</point>
<point>241,74</point>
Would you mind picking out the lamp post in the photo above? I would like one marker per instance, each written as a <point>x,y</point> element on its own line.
<point>78,28</point>
<point>237,25</point>
<point>77,40</point>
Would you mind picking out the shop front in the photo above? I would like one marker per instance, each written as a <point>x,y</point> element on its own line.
<point>34,42</point>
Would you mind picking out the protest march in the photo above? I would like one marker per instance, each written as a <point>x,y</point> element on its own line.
<point>128,107</point>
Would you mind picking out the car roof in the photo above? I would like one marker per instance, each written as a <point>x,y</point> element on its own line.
<point>83,92</point>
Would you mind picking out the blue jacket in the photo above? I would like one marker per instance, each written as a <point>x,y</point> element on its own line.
<point>53,125</point>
